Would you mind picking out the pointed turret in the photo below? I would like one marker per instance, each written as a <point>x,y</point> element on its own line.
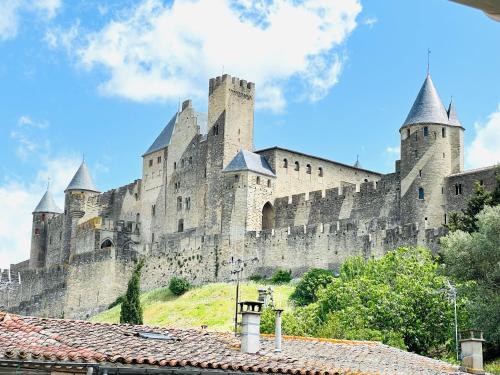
<point>47,204</point>
<point>428,107</point>
<point>82,180</point>
<point>357,164</point>
<point>452,115</point>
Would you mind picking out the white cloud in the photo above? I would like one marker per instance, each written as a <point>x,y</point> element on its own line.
<point>160,52</point>
<point>27,135</point>
<point>10,14</point>
<point>28,121</point>
<point>484,149</point>
<point>370,21</point>
<point>393,150</point>
<point>19,198</point>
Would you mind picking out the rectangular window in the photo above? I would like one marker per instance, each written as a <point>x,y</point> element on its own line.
<point>458,189</point>
<point>179,203</point>
<point>150,162</point>
<point>159,159</point>
<point>153,210</point>
<point>426,131</point>
<point>258,180</point>
<point>443,132</point>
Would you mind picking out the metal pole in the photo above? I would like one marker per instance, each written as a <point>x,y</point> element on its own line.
<point>454,291</point>
<point>236,304</point>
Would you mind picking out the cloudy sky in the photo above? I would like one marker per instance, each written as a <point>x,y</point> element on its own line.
<point>334,78</point>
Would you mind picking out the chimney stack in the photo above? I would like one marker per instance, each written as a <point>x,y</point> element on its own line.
<point>277,331</point>
<point>250,326</point>
<point>471,343</point>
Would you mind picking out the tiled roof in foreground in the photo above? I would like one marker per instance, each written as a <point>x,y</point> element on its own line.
<point>72,341</point>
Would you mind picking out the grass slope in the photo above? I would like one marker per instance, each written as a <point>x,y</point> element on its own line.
<point>211,304</point>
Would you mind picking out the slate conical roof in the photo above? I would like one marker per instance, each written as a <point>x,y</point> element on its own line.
<point>82,180</point>
<point>47,204</point>
<point>249,161</point>
<point>452,115</point>
<point>428,107</point>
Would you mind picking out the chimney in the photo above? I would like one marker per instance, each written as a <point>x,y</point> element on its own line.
<point>471,343</point>
<point>250,326</point>
<point>277,331</point>
<point>263,296</point>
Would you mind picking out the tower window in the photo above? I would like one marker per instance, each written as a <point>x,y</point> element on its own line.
<point>297,166</point>
<point>445,218</point>
<point>407,133</point>
<point>216,129</point>
<point>179,203</point>
<point>420,173</point>
<point>188,203</point>
<point>37,231</point>
<point>443,132</point>
<point>150,162</point>
<point>182,163</point>
<point>416,153</point>
<point>426,131</point>
<point>159,159</point>
<point>190,160</point>
<point>285,163</point>
<point>421,193</point>
<point>258,180</point>
<point>153,210</point>
<point>442,190</point>
<point>444,155</point>
<point>320,172</point>
<point>481,183</point>
<point>236,177</point>
<point>180,225</point>
<point>458,189</point>
<point>308,168</point>
<point>268,183</point>
<point>152,237</point>
<point>175,165</point>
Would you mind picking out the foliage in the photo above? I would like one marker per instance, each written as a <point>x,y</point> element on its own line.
<point>399,299</point>
<point>475,257</point>
<point>131,309</point>
<point>309,285</point>
<point>466,221</point>
<point>493,367</point>
<point>257,278</point>
<point>118,301</point>
<point>179,286</point>
<point>282,277</point>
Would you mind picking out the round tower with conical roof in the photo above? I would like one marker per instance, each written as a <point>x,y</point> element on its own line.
<point>431,149</point>
<point>80,198</point>
<point>43,213</point>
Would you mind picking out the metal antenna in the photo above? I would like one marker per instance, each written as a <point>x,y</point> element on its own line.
<point>428,61</point>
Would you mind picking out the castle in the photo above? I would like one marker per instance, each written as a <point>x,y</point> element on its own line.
<point>208,202</point>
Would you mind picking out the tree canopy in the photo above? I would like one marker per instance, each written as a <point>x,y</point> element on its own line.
<point>131,309</point>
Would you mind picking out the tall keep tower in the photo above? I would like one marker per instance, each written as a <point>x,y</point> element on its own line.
<point>80,200</point>
<point>43,213</point>
<point>431,149</point>
<point>230,129</point>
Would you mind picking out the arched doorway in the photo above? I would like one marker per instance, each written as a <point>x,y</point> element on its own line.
<point>106,244</point>
<point>268,216</point>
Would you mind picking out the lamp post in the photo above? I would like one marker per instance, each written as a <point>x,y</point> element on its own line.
<point>451,293</point>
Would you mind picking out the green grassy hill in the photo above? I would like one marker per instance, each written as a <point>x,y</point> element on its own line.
<point>211,305</point>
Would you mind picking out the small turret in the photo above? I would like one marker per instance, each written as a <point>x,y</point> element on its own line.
<point>82,180</point>
<point>43,213</point>
<point>452,114</point>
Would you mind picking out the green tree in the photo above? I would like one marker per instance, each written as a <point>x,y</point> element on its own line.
<point>131,309</point>
<point>179,286</point>
<point>475,257</point>
<point>400,299</point>
<point>309,285</point>
<point>282,277</point>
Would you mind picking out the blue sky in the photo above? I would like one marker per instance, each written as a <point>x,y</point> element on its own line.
<point>333,78</point>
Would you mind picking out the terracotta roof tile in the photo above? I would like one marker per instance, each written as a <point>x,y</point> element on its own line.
<point>26,338</point>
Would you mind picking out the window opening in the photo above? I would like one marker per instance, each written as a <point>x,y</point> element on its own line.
<point>420,193</point>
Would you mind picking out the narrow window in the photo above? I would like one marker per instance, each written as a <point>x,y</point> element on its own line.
<point>458,189</point>
<point>320,172</point>
<point>60,236</point>
<point>216,129</point>
<point>43,217</point>
<point>416,154</point>
<point>258,180</point>
<point>190,160</point>
<point>175,165</point>
<point>268,183</point>
<point>435,136</point>
<point>153,210</point>
<point>442,190</point>
<point>159,159</point>
<point>308,169</point>
<point>420,173</point>
<point>180,225</point>
<point>426,131</point>
<point>445,218</point>
<point>481,182</point>
<point>137,218</point>
<point>182,163</point>
<point>150,162</point>
<point>420,193</point>
<point>152,237</point>
<point>297,166</point>
<point>136,196</point>
<point>50,240</point>
<point>179,203</point>
<point>285,163</point>
<point>443,132</point>
<point>236,177</point>
<point>188,203</point>
<point>444,155</point>
<point>407,133</point>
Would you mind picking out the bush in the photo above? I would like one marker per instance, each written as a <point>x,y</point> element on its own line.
<point>179,286</point>
<point>282,277</point>
<point>310,284</point>
<point>131,310</point>
<point>257,278</point>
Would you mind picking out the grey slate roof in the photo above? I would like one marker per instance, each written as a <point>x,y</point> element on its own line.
<point>249,161</point>
<point>452,115</point>
<point>47,204</point>
<point>82,180</point>
<point>428,107</point>
<point>165,137</point>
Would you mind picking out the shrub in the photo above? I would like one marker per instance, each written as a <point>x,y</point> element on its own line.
<point>282,277</point>
<point>131,310</point>
<point>308,287</point>
<point>179,286</point>
<point>257,278</point>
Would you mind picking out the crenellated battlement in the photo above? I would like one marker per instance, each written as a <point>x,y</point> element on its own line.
<point>235,84</point>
